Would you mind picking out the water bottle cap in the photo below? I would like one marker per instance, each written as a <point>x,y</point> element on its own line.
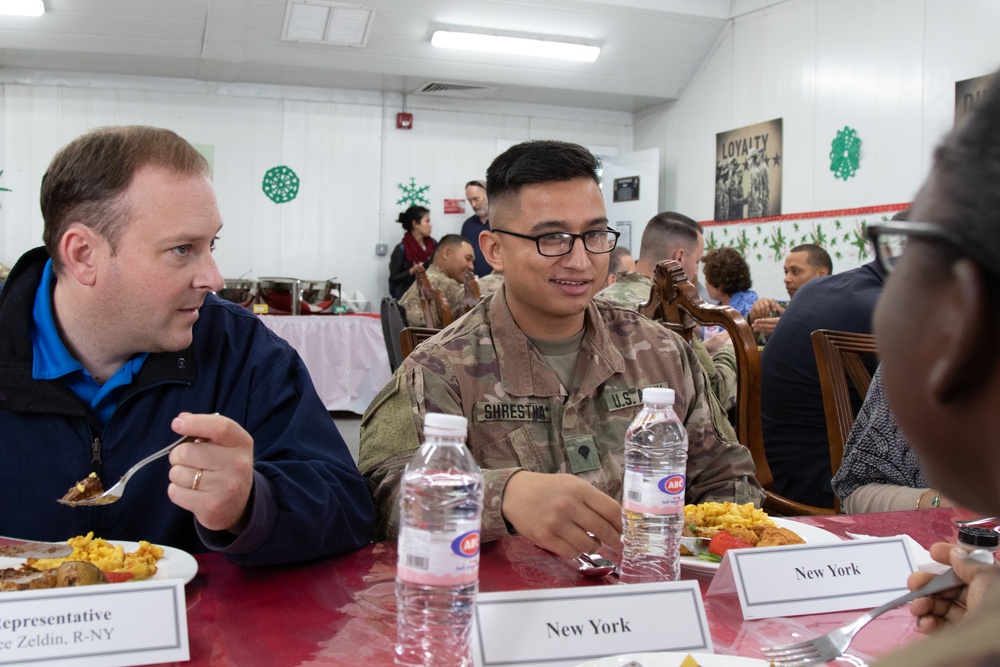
<point>658,395</point>
<point>448,426</point>
<point>978,537</point>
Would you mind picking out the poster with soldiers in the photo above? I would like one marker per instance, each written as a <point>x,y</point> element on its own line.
<point>748,172</point>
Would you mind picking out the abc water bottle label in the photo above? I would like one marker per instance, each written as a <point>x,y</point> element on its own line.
<point>439,559</point>
<point>653,495</point>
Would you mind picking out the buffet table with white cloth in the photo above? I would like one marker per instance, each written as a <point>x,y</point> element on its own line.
<point>345,355</point>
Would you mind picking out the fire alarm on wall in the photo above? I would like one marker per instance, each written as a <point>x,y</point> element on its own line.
<point>404,121</point>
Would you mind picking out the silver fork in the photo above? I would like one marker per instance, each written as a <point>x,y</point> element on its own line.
<point>114,493</point>
<point>833,644</point>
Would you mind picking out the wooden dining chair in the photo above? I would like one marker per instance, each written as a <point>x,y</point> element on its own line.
<point>470,296</point>
<point>674,302</point>
<point>432,302</point>
<point>841,356</point>
<point>410,337</point>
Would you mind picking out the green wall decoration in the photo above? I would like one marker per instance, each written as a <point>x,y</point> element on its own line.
<point>280,184</point>
<point>845,153</point>
<point>412,194</point>
<point>4,189</point>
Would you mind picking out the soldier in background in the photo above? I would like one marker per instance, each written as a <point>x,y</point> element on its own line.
<point>620,262</point>
<point>452,261</point>
<point>670,235</point>
<point>548,378</point>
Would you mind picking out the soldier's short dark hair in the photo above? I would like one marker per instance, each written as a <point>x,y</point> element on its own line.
<point>534,162</point>
<point>87,177</point>
<point>816,256</point>
<point>615,259</point>
<point>666,232</point>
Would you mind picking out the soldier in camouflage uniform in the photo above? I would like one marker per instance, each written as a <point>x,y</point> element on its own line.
<point>451,263</point>
<point>674,236</point>
<point>490,283</point>
<point>548,377</point>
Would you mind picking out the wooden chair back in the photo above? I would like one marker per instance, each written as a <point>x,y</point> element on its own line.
<point>392,325</point>
<point>410,337</point>
<point>675,302</point>
<point>471,296</point>
<point>432,301</point>
<point>840,355</point>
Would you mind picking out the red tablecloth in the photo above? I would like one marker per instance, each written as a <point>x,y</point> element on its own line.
<point>341,611</point>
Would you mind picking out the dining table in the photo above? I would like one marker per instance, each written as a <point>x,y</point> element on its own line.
<point>341,610</point>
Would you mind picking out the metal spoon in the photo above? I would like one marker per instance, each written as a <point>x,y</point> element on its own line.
<point>595,565</point>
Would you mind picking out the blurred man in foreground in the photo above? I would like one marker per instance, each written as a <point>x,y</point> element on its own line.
<point>112,343</point>
<point>941,365</point>
<point>548,377</point>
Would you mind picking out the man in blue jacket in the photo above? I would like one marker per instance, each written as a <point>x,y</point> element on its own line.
<point>111,343</point>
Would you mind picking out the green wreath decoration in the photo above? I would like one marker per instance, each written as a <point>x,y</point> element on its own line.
<point>280,184</point>
<point>845,153</point>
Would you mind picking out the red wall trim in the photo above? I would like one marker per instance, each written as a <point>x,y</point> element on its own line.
<point>843,212</point>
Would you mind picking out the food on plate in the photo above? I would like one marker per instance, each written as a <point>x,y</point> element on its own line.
<point>88,487</point>
<point>733,526</point>
<point>689,661</point>
<point>73,573</point>
<point>107,557</point>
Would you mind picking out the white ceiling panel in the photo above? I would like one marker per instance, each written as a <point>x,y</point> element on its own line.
<point>650,48</point>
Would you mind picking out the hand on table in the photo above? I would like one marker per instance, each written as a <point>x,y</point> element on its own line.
<point>223,453</point>
<point>561,513</point>
<point>762,308</point>
<point>938,611</point>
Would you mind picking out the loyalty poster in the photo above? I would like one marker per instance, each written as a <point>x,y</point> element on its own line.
<point>748,164</point>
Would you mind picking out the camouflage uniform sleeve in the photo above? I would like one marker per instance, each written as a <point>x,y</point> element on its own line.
<point>410,303</point>
<point>719,467</point>
<point>454,293</point>
<point>391,432</point>
<point>725,377</point>
<point>389,438</point>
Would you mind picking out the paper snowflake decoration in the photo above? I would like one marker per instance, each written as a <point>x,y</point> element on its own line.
<point>845,153</point>
<point>281,184</point>
<point>412,194</point>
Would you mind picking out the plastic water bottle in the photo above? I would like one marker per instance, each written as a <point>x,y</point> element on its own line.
<point>656,445</point>
<point>437,573</point>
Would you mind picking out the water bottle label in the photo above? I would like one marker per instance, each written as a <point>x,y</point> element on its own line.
<point>653,495</point>
<point>439,558</point>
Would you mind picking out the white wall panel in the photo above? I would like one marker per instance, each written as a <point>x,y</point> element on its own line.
<point>333,140</point>
<point>886,68</point>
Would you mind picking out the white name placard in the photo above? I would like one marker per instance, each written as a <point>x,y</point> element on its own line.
<point>567,626</point>
<point>804,579</point>
<point>132,623</point>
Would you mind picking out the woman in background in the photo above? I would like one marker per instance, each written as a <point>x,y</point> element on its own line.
<point>727,278</point>
<point>417,247</point>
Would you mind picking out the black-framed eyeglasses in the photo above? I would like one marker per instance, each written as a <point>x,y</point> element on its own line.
<point>557,244</point>
<point>890,238</point>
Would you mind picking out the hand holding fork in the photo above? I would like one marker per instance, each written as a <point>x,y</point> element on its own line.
<point>833,644</point>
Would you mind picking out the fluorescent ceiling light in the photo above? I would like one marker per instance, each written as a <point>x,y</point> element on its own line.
<point>22,7</point>
<point>539,48</point>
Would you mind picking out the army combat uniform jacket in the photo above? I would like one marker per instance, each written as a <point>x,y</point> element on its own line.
<point>631,290</point>
<point>521,417</point>
<point>453,292</point>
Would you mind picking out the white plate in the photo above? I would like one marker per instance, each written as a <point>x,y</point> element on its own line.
<point>675,659</point>
<point>811,534</point>
<point>175,563</point>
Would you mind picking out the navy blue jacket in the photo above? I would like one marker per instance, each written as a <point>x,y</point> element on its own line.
<point>792,416</point>
<point>309,500</point>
